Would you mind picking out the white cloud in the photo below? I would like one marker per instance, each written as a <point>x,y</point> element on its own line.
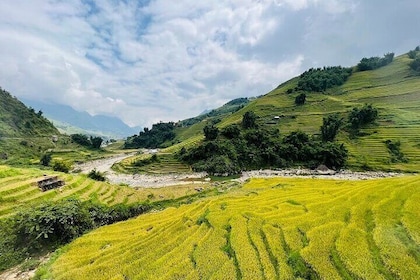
<point>166,60</point>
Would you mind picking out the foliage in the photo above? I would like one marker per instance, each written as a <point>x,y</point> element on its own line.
<point>321,79</point>
<point>96,142</point>
<point>142,162</point>
<point>375,62</point>
<point>96,175</point>
<point>210,132</point>
<point>153,138</point>
<point>61,166</point>
<point>83,140</point>
<point>231,131</point>
<point>300,99</point>
<point>360,117</point>
<point>394,149</point>
<point>45,159</point>
<point>249,120</point>
<point>415,64</point>
<point>230,153</point>
<point>52,224</point>
<point>330,127</point>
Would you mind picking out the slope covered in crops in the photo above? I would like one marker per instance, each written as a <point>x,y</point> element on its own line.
<point>268,229</point>
<point>18,187</point>
<point>393,89</point>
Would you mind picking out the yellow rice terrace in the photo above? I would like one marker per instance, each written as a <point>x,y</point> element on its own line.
<point>269,229</point>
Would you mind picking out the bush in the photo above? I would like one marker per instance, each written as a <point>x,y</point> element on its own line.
<point>394,149</point>
<point>52,224</point>
<point>96,175</point>
<point>415,65</point>
<point>45,159</point>
<point>360,117</point>
<point>61,166</point>
<point>300,99</point>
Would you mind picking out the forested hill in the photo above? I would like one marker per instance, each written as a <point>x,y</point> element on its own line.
<point>390,85</point>
<point>17,120</point>
<point>24,133</point>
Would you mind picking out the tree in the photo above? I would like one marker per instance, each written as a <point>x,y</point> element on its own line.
<point>359,117</point>
<point>96,142</point>
<point>46,159</point>
<point>249,120</point>
<point>231,131</point>
<point>210,132</point>
<point>300,99</point>
<point>330,127</point>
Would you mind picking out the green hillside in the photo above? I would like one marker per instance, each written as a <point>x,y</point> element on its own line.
<point>393,89</point>
<point>269,229</point>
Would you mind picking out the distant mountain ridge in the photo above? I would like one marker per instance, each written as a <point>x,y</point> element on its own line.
<point>70,121</point>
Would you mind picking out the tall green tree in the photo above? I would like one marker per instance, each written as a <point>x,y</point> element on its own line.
<point>330,127</point>
<point>249,120</point>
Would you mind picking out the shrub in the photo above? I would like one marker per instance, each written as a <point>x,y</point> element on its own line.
<point>300,99</point>
<point>45,159</point>
<point>96,175</point>
<point>359,117</point>
<point>61,166</point>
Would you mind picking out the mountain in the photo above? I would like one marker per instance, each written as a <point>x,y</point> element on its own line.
<point>70,121</point>
<point>23,132</point>
<point>394,90</point>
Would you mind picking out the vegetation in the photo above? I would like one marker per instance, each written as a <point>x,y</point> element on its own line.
<point>321,79</point>
<point>153,138</point>
<point>360,117</point>
<point>394,148</point>
<point>269,229</point>
<point>51,224</point>
<point>300,99</point>
<point>375,62</point>
<point>330,127</point>
<point>258,147</point>
<point>83,140</point>
<point>96,175</point>
<point>228,108</point>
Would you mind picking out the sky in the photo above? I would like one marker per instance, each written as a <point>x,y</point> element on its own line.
<point>147,61</point>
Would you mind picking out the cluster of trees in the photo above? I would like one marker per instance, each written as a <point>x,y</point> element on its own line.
<point>52,224</point>
<point>359,117</point>
<point>249,146</point>
<point>415,64</point>
<point>394,149</point>
<point>153,138</point>
<point>375,62</point>
<point>413,53</point>
<point>321,79</point>
<point>88,142</point>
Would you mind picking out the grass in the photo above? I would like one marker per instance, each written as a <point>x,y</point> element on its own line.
<point>263,236</point>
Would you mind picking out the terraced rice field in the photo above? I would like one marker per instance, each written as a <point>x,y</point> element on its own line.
<point>269,229</point>
<point>18,187</point>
